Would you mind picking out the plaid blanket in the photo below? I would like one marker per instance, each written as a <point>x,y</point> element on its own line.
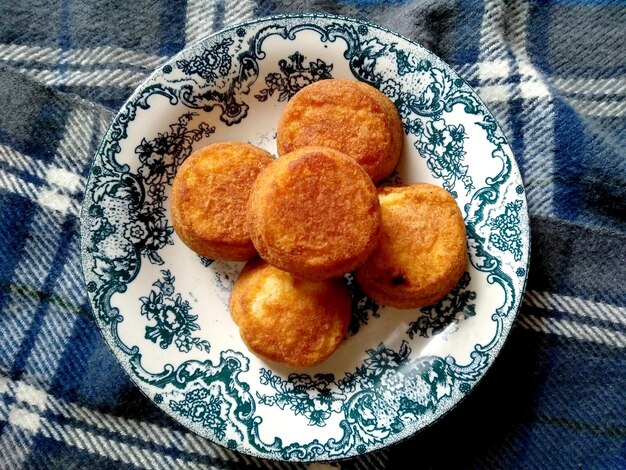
<point>553,73</point>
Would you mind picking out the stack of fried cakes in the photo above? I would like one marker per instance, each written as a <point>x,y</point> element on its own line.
<point>315,214</point>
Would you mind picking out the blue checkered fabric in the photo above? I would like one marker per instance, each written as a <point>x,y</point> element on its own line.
<point>553,73</point>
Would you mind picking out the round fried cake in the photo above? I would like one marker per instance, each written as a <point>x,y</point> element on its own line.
<point>347,115</point>
<point>314,213</point>
<point>209,198</point>
<point>286,319</point>
<point>422,252</point>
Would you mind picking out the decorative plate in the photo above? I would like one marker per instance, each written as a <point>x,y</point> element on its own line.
<point>164,311</point>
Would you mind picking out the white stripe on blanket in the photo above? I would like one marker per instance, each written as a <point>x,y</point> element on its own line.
<point>592,86</point>
<point>33,55</point>
<point>93,78</point>
<point>576,306</point>
<point>32,400</point>
<point>570,329</point>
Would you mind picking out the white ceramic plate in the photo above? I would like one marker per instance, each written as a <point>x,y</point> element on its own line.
<point>163,310</point>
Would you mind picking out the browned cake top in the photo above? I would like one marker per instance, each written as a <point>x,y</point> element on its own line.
<point>210,193</point>
<point>422,250</point>
<point>286,319</point>
<point>348,116</point>
<point>315,213</point>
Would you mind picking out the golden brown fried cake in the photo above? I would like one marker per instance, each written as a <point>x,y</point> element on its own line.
<point>422,251</point>
<point>314,213</point>
<point>347,115</point>
<point>286,319</point>
<point>209,198</point>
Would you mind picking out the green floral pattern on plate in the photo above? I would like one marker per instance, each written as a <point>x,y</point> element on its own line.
<point>455,306</point>
<point>293,76</point>
<point>172,317</point>
<point>507,234</point>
